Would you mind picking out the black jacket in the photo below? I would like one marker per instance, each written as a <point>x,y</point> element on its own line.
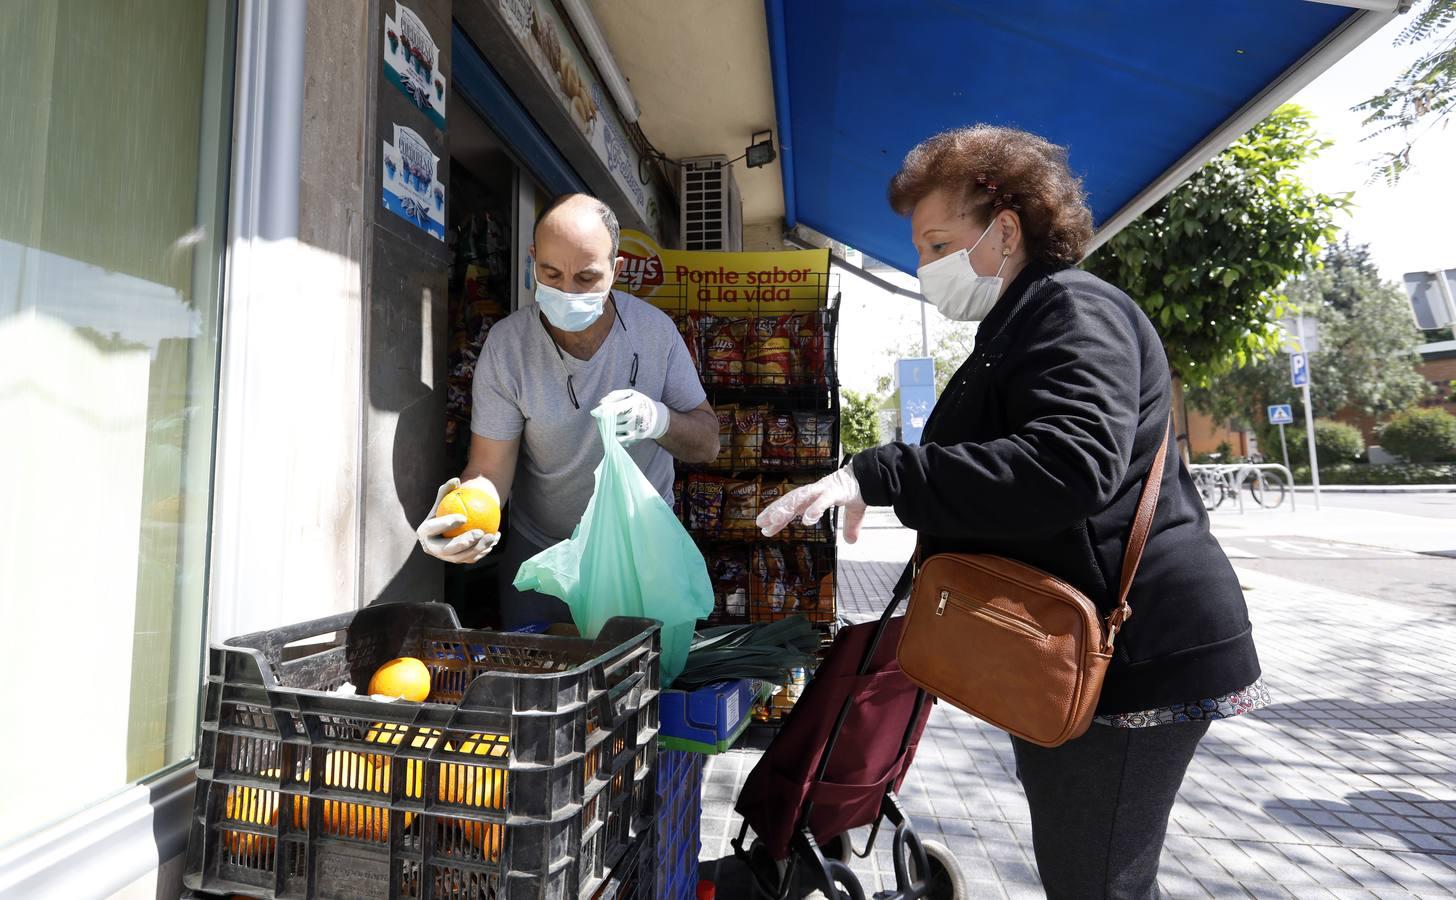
<point>1037,451</point>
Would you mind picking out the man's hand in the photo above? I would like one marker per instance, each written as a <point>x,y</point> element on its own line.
<point>811,501</point>
<point>472,546</point>
<point>634,416</point>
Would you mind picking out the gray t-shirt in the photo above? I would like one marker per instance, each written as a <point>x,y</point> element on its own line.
<point>520,392</point>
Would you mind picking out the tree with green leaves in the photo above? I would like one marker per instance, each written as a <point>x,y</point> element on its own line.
<point>859,421</point>
<point>1423,95</point>
<point>1208,262</point>
<point>1367,357</point>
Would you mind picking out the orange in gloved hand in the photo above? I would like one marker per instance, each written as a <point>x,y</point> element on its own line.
<point>405,677</point>
<point>480,509</point>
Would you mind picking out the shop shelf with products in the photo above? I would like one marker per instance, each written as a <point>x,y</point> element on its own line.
<point>479,289</point>
<point>781,699</point>
<point>766,581</point>
<point>769,368</point>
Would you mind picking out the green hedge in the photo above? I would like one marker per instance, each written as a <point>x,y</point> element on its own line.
<point>1355,473</point>
<point>1421,435</point>
<point>1335,442</point>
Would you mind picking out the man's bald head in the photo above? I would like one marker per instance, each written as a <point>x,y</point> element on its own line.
<point>575,245</point>
<point>579,214</point>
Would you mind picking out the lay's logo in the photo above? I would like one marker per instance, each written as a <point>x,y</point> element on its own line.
<point>640,270</point>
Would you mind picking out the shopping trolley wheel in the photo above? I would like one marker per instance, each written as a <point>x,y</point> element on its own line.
<point>944,881</point>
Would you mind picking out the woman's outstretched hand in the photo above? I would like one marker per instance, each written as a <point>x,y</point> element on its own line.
<point>810,502</point>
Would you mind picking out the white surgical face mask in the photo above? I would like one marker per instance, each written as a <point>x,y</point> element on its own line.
<point>952,285</point>
<point>570,312</point>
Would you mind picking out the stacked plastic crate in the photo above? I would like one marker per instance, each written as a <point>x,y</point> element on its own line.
<point>521,775</point>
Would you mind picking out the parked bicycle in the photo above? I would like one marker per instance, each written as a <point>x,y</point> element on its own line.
<point>1266,486</point>
<point>1217,482</point>
<point>1210,484</point>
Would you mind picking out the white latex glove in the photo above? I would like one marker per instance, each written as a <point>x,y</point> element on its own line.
<point>636,416</point>
<point>472,546</point>
<point>811,500</point>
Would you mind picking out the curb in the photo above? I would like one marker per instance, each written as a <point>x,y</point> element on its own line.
<point>1379,489</point>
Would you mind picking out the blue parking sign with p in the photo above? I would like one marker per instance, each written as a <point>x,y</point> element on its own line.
<point>1281,414</point>
<point>1299,369</point>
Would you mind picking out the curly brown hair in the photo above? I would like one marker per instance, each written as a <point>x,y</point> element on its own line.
<point>997,168</point>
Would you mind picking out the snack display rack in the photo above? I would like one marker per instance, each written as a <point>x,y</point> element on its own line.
<point>769,370</point>
<point>479,292</point>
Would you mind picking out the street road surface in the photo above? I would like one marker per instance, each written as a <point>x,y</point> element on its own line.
<point>1405,552</point>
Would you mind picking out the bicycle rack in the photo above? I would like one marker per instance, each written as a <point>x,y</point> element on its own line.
<point>1232,474</point>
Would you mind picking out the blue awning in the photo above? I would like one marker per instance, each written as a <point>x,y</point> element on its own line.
<point>1141,91</point>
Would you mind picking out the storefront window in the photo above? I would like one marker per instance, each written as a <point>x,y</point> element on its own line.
<point>112,185</point>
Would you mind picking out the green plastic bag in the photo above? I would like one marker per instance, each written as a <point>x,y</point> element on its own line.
<point>629,556</point>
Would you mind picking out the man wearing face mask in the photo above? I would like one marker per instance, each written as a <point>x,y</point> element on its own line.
<point>1037,451</point>
<point>542,371</point>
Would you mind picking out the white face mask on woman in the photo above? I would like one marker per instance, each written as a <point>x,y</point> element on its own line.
<point>570,312</point>
<point>952,285</point>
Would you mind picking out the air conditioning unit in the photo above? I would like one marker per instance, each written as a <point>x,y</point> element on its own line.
<point>712,209</point>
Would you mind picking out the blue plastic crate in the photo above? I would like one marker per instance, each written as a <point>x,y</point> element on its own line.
<point>708,720</point>
<point>678,828</point>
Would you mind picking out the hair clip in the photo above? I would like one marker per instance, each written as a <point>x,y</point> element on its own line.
<point>1006,201</point>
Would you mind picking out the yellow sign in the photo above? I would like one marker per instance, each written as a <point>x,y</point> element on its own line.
<point>747,284</point>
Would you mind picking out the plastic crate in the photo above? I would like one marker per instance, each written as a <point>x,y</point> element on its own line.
<point>631,876</point>
<point>708,720</point>
<point>520,776</point>
<point>678,828</point>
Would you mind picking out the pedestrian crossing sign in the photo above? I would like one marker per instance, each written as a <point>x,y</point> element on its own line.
<point>1281,414</point>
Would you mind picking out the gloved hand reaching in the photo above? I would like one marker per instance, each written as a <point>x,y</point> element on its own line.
<point>636,416</point>
<point>472,546</point>
<point>811,500</point>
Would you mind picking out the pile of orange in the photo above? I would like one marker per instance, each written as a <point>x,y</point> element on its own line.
<point>464,785</point>
<point>471,786</point>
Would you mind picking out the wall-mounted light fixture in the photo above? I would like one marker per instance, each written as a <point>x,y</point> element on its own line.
<point>760,152</point>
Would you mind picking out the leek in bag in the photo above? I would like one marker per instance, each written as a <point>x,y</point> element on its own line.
<point>629,556</point>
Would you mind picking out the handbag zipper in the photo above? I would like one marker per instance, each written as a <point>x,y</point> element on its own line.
<point>991,614</point>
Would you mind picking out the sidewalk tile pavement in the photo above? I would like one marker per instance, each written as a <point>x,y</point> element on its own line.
<point>1345,787</point>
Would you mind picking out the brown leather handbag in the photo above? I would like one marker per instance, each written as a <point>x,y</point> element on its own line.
<point>1013,645</point>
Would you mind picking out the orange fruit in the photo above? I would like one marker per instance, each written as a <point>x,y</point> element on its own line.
<point>460,783</point>
<point>388,733</point>
<point>480,509</point>
<point>405,677</point>
<point>468,785</point>
<point>256,806</point>
<point>479,787</point>
<point>347,769</point>
<point>356,820</point>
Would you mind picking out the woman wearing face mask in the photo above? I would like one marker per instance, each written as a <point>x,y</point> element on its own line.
<point>580,346</point>
<point>1037,451</point>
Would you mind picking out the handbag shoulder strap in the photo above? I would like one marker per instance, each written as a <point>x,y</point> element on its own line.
<point>1142,523</point>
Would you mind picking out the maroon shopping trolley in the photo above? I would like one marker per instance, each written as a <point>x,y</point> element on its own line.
<point>835,766</point>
